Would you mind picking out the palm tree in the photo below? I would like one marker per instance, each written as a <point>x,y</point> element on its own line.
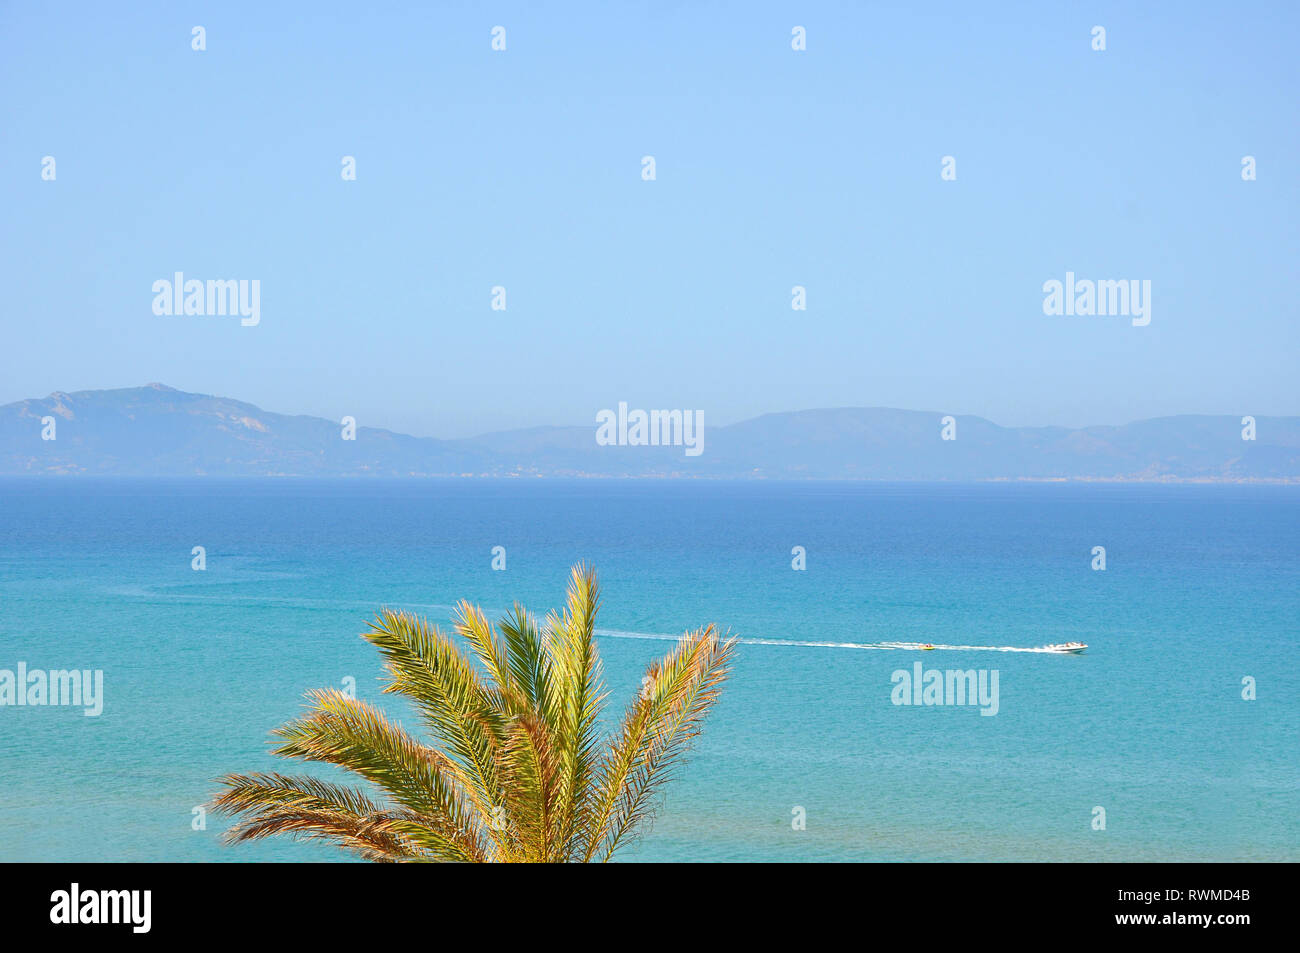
<point>519,772</point>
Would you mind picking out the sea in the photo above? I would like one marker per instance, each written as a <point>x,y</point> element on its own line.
<point>1174,737</point>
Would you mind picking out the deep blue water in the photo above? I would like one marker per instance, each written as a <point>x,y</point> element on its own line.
<point>1200,590</point>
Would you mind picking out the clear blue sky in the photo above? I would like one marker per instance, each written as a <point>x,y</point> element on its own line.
<point>775,168</point>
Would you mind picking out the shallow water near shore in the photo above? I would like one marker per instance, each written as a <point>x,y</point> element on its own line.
<point>1200,590</point>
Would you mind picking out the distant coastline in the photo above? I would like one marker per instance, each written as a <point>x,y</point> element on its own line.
<point>159,431</point>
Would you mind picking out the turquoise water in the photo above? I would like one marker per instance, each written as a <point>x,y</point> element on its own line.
<point>1200,590</point>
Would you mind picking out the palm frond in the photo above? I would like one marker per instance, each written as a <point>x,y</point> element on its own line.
<point>532,798</point>
<point>530,665</point>
<point>472,625</point>
<point>576,694</point>
<point>343,731</point>
<point>428,668</point>
<point>308,808</point>
<point>657,731</point>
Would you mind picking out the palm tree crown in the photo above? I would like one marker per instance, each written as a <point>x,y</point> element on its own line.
<point>518,773</point>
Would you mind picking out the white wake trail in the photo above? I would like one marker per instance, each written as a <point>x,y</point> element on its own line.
<point>800,643</point>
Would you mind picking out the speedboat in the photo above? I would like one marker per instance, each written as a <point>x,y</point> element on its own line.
<point>1071,648</point>
<point>927,647</point>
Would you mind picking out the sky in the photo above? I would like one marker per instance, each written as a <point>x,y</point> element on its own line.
<point>774,168</point>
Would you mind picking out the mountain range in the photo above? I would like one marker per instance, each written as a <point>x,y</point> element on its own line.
<point>159,431</point>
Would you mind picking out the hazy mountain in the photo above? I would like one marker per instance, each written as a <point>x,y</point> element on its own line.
<point>159,431</point>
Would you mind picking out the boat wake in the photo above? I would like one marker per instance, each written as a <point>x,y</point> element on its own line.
<point>868,646</point>
<point>172,594</point>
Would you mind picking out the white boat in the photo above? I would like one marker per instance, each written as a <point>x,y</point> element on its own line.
<point>1072,648</point>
